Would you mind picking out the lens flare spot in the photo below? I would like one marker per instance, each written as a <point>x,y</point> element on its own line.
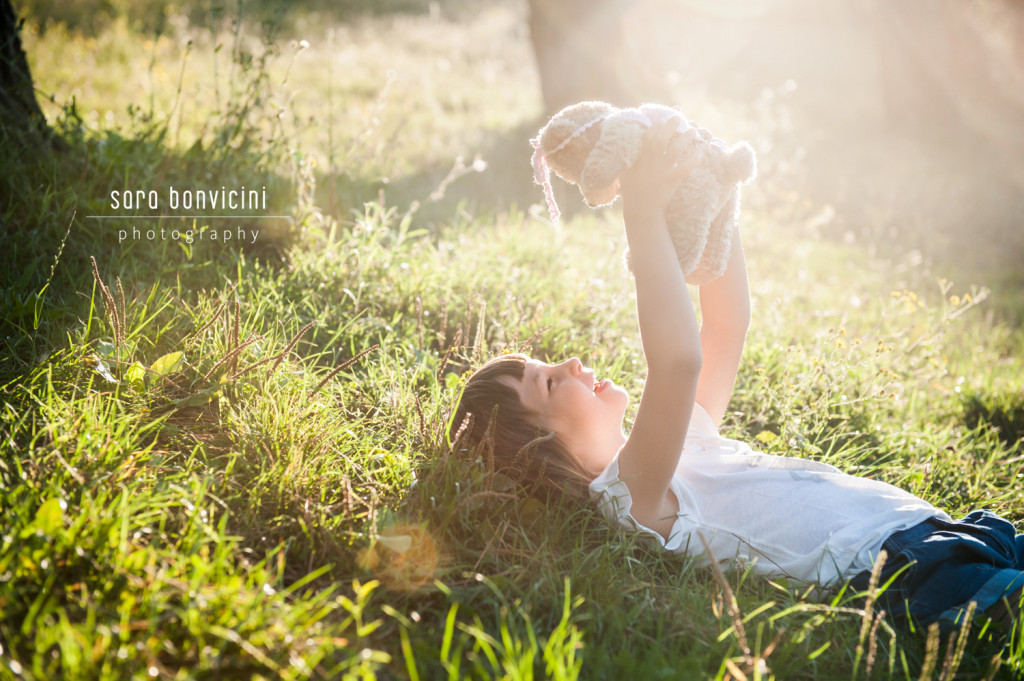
<point>403,557</point>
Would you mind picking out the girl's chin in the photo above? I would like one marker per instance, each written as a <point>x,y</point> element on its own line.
<point>615,393</point>
<point>612,394</point>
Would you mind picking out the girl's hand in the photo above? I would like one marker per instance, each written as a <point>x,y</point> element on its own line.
<point>666,160</point>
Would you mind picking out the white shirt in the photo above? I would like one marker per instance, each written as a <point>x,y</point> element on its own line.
<point>787,516</point>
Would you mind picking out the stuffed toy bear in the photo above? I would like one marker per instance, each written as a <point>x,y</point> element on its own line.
<point>591,144</point>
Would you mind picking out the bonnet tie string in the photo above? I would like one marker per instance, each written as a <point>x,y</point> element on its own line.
<point>542,176</point>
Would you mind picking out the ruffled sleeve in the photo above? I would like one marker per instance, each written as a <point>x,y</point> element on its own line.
<point>615,502</point>
<point>701,423</point>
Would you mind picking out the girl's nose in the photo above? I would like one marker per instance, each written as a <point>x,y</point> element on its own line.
<point>575,366</point>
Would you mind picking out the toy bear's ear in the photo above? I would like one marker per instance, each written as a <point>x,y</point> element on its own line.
<point>616,150</point>
<point>740,163</point>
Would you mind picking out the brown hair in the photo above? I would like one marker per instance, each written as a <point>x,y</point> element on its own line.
<point>492,420</point>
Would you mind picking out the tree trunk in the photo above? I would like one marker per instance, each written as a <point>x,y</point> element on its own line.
<point>579,48</point>
<point>20,116</point>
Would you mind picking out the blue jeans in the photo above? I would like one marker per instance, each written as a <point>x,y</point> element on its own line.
<point>946,565</point>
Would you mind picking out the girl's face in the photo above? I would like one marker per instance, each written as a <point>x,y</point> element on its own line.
<point>586,413</point>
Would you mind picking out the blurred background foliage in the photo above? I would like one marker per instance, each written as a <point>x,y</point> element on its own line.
<point>148,16</point>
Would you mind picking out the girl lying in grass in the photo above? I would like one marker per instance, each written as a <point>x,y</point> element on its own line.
<point>558,429</point>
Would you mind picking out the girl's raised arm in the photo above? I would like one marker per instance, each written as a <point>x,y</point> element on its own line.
<point>725,317</point>
<point>668,328</point>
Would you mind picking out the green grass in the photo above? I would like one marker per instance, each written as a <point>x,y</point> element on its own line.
<point>262,506</point>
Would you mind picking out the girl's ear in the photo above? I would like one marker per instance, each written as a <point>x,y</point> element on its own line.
<point>616,150</point>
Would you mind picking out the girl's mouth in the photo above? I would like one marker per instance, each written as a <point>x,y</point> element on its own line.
<point>601,385</point>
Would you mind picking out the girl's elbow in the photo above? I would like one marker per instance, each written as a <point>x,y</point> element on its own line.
<point>743,322</point>
<point>740,317</point>
<point>735,326</point>
<point>685,365</point>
